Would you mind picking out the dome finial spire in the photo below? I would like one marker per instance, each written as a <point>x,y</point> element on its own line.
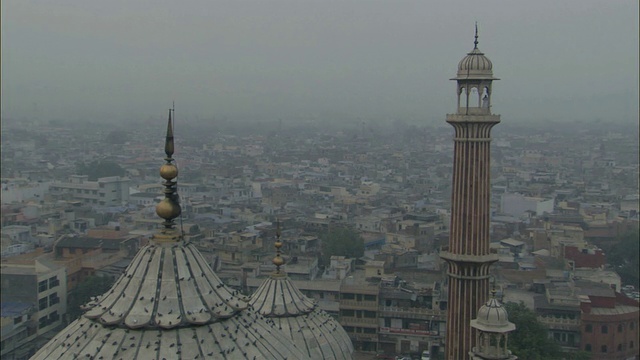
<point>475,43</point>
<point>169,207</point>
<point>278,260</point>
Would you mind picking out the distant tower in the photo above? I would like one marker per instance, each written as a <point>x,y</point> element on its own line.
<point>468,255</point>
<point>492,328</point>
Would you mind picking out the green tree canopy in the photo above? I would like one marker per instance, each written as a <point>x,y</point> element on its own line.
<point>625,256</point>
<point>341,242</point>
<point>530,339</point>
<point>82,293</point>
<point>117,137</point>
<point>99,168</point>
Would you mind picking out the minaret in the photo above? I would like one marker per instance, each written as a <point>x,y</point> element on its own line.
<point>468,255</point>
<point>492,332</point>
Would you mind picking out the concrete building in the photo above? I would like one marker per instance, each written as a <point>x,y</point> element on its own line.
<point>518,204</point>
<point>609,323</point>
<point>18,330</point>
<point>468,254</point>
<point>107,191</point>
<point>38,283</point>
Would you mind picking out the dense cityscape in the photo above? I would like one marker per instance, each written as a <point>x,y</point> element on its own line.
<point>298,180</point>
<point>562,203</point>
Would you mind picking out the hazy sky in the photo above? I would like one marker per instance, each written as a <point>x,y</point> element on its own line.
<point>315,59</point>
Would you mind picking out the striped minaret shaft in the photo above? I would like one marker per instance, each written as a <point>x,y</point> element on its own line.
<point>468,256</point>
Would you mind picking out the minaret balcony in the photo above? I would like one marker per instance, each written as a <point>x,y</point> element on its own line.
<point>474,110</point>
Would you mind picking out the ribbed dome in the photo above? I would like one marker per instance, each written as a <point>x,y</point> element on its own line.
<point>475,66</point>
<point>170,304</point>
<point>492,316</point>
<point>299,318</point>
<point>166,286</point>
<point>475,61</point>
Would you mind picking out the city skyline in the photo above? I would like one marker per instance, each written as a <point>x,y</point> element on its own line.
<point>121,61</point>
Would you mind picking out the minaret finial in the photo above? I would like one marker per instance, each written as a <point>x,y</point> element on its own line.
<point>475,43</point>
<point>168,144</point>
<point>278,260</point>
<point>169,208</point>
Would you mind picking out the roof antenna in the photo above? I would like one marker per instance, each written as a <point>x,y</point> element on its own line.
<point>475,43</point>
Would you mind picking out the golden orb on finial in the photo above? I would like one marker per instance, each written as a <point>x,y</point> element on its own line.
<point>278,261</point>
<point>168,209</point>
<point>278,244</point>
<point>168,171</point>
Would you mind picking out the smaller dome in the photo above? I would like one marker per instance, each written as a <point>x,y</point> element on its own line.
<point>475,61</point>
<point>493,317</point>
<point>493,314</point>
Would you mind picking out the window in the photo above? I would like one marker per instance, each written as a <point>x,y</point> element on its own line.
<point>604,329</point>
<point>42,322</point>
<point>348,313</point>
<point>603,348</point>
<point>369,330</point>
<point>588,328</point>
<point>587,347</point>
<point>42,286</point>
<point>619,347</point>
<point>348,296</point>
<point>17,320</point>
<point>620,328</point>
<point>53,317</point>
<point>369,314</point>
<point>632,325</point>
<point>42,303</point>
<point>370,298</point>
<point>53,299</point>
<point>630,344</point>
<point>53,282</point>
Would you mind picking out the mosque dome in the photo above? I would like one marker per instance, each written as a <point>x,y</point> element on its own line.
<point>300,319</point>
<point>475,61</point>
<point>492,317</point>
<point>475,65</point>
<point>169,304</point>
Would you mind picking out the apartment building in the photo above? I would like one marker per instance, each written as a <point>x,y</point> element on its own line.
<point>107,191</point>
<point>42,284</point>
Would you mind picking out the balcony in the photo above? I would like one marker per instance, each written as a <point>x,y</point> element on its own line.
<point>560,323</point>
<point>398,331</point>
<point>412,313</point>
<point>352,321</point>
<point>358,305</point>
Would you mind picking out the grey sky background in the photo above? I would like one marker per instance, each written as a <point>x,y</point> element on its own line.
<point>315,60</point>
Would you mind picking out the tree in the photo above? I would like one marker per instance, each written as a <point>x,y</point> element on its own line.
<point>117,137</point>
<point>341,242</point>
<point>530,339</point>
<point>82,293</point>
<point>625,256</point>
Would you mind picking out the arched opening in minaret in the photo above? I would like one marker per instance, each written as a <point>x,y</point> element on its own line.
<point>474,94</point>
<point>485,100</point>
<point>463,98</point>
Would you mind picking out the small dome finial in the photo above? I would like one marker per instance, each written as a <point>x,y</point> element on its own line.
<point>278,260</point>
<point>475,43</point>
<point>169,207</point>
